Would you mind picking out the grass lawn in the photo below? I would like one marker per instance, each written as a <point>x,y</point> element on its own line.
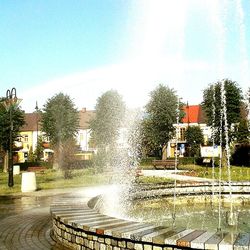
<point>237,173</point>
<point>52,179</point>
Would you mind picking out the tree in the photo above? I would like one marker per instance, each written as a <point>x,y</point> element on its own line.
<point>212,97</point>
<point>161,114</point>
<point>39,149</point>
<point>110,111</point>
<point>242,133</point>
<point>194,138</point>
<point>5,125</point>
<point>60,122</point>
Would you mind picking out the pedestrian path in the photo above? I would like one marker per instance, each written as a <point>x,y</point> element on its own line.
<point>25,221</point>
<point>172,174</point>
<point>29,229</point>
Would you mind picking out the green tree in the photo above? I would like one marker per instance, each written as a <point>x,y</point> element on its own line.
<point>5,125</point>
<point>194,138</point>
<point>157,124</point>
<point>110,111</point>
<point>242,133</point>
<point>39,149</point>
<point>60,122</point>
<point>212,97</point>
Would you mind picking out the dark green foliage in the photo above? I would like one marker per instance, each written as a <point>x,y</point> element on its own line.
<point>242,133</point>
<point>241,155</point>
<point>60,119</point>
<point>110,111</point>
<point>161,113</point>
<point>39,149</point>
<point>194,138</point>
<point>18,122</point>
<point>233,104</point>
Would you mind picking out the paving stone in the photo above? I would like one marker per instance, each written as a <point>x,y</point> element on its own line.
<point>213,241</point>
<point>242,242</point>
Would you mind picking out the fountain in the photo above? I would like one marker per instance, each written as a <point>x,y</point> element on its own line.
<point>207,215</point>
<point>203,215</point>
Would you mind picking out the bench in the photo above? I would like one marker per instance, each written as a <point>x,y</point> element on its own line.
<point>164,164</point>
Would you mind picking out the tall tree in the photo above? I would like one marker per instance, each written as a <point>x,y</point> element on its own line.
<point>105,127</point>
<point>212,98</point>
<point>161,114</point>
<point>60,122</point>
<point>194,138</point>
<point>110,111</point>
<point>5,125</point>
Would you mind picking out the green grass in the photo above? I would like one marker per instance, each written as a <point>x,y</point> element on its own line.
<point>237,173</point>
<point>52,179</point>
<point>153,180</point>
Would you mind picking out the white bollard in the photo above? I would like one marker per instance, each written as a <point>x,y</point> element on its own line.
<point>16,170</point>
<point>28,182</point>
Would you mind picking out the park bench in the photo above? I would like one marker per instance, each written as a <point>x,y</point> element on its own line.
<point>164,164</point>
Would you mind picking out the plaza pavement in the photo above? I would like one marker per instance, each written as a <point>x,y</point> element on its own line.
<point>25,218</point>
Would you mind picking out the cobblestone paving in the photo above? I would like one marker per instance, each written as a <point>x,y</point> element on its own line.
<point>25,220</point>
<point>25,223</point>
<point>27,230</point>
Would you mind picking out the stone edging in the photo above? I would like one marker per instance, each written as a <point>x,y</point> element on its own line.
<point>77,226</point>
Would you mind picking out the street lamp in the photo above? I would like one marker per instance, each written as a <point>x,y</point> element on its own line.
<point>11,101</point>
<point>37,109</point>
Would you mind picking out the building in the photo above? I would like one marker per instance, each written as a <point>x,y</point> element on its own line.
<point>86,148</point>
<point>28,136</point>
<point>31,131</point>
<point>194,116</point>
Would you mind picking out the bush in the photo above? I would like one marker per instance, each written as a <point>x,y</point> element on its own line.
<point>241,155</point>
<point>80,164</point>
<point>187,160</point>
<point>147,161</point>
<point>24,165</point>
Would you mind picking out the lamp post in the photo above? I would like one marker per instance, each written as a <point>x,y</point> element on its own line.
<point>36,108</point>
<point>9,103</point>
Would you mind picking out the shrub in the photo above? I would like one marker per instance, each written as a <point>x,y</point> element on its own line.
<point>241,155</point>
<point>147,161</point>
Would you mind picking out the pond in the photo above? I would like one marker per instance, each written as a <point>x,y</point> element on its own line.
<point>191,214</point>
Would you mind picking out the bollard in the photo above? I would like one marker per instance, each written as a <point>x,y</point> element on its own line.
<point>16,170</point>
<point>28,182</point>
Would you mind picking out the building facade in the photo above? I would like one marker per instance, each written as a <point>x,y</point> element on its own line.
<point>194,116</point>
<point>29,135</point>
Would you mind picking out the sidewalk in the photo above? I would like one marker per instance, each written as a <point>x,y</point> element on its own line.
<point>25,220</point>
<point>172,174</point>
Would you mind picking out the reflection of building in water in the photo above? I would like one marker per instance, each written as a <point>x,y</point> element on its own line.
<point>194,116</point>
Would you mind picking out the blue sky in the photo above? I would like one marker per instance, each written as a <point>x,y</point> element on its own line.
<point>86,47</point>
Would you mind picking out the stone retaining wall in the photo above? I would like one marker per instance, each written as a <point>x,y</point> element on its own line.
<point>77,226</point>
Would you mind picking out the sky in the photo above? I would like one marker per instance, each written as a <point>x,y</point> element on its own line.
<point>84,48</point>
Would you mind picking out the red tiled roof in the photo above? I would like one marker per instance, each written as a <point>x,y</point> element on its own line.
<point>193,114</point>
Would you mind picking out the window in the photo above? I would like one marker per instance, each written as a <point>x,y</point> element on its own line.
<point>25,138</point>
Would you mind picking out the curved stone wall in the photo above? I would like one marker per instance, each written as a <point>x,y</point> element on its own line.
<point>77,226</point>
